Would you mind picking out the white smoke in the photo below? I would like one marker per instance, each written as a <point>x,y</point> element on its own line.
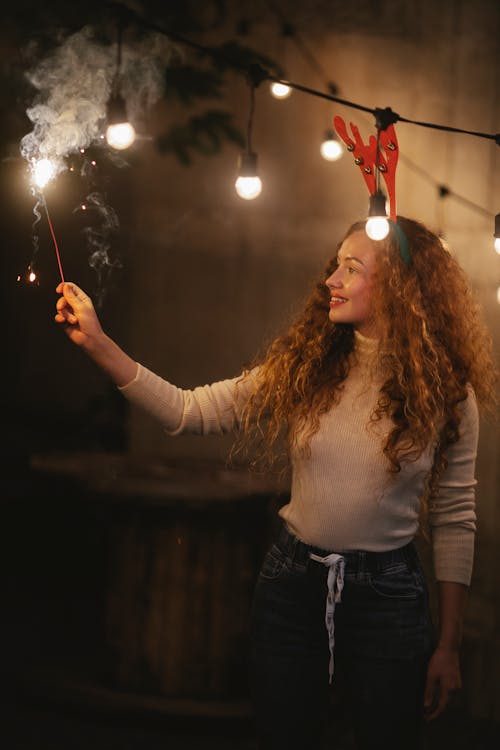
<point>73,85</point>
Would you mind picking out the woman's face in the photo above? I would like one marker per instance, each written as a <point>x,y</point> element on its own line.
<point>350,285</point>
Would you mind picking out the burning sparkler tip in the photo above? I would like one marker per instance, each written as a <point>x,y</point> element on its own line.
<point>43,171</point>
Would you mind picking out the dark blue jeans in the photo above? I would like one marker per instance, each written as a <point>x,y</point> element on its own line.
<point>383,640</point>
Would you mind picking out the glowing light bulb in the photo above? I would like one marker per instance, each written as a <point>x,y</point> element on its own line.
<point>280,90</point>
<point>497,244</point>
<point>377,227</point>
<point>331,148</point>
<point>32,277</point>
<point>248,188</point>
<point>121,135</point>
<point>43,172</point>
<point>248,184</point>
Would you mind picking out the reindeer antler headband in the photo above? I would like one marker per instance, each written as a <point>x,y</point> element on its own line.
<point>378,157</point>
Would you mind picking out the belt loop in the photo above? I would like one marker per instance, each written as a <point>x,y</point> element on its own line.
<point>290,543</point>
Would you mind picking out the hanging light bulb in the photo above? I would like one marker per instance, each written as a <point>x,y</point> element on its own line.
<point>377,224</point>
<point>248,184</point>
<point>120,134</point>
<point>497,233</point>
<point>331,148</point>
<point>280,90</point>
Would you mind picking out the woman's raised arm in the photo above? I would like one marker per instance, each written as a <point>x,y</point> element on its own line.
<point>76,313</point>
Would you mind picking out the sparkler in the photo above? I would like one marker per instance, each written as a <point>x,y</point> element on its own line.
<point>58,256</point>
<point>43,171</point>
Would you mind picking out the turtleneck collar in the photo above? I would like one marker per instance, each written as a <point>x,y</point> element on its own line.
<point>365,345</point>
<point>366,356</point>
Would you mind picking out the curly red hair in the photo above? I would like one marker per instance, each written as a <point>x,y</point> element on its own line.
<point>434,346</point>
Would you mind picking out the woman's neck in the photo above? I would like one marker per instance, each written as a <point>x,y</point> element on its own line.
<point>362,341</point>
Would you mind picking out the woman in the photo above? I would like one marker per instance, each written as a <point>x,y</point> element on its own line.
<point>372,395</point>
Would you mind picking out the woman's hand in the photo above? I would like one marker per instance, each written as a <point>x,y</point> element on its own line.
<point>75,311</point>
<point>443,671</point>
<point>443,681</point>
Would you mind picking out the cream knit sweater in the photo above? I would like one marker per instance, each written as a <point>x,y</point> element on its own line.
<point>342,496</point>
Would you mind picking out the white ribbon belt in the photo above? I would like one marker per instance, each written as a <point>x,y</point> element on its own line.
<point>335,564</point>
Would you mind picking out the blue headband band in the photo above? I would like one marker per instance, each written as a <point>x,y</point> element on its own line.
<point>402,240</point>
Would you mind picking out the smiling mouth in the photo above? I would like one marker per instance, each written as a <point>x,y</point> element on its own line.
<point>337,301</point>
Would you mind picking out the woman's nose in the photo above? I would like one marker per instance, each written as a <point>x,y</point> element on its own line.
<point>334,279</point>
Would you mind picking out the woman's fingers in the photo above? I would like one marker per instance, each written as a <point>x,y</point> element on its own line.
<point>75,292</point>
<point>64,311</point>
<point>65,316</point>
<point>71,290</point>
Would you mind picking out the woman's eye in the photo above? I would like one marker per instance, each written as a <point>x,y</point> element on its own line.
<point>351,270</point>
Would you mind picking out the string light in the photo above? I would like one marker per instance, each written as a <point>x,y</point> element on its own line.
<point>333,90</point>
<point>330,95</point>
<point>280,90</point>
<point>266,75</point>
<point>120,133</point>
<point>248,183</point>
<point>331,148</point>
<point>377,224</point>
<point>216,54</point>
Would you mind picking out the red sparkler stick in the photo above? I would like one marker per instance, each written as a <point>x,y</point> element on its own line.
<point>53,238</point>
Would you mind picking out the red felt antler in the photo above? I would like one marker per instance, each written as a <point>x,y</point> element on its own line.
<point>371,157</point>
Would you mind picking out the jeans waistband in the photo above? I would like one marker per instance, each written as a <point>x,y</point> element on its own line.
<point>355,560</point>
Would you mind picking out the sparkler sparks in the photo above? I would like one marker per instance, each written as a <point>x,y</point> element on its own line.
<point>72,86</point>
<point>43,172</point>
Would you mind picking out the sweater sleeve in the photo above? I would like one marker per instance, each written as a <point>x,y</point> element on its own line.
<point>213,409</point>
<point>452,515</point>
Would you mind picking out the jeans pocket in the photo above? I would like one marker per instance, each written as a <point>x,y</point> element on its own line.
<point>397,582</point>
<point>274,563</point>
